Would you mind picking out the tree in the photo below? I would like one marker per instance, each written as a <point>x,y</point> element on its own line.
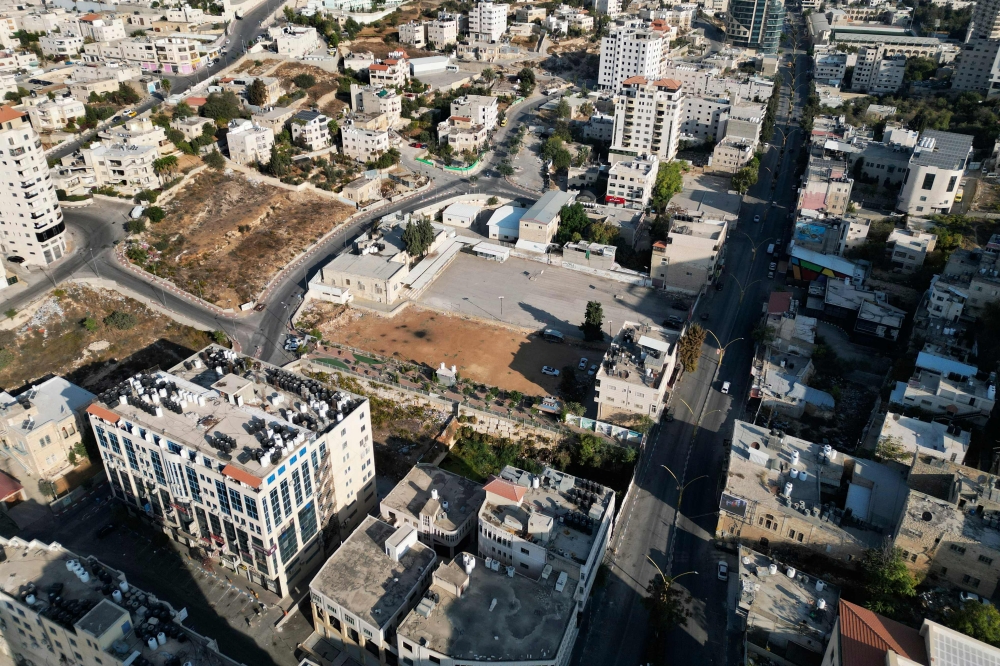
<point>689,347</point>
<point>492,201</point>
<point>135,226</point>
<point>165,166</point>
<point>215,160</point>
<point>763,334</point>
<point>183,110</point>
<point>665,606</point>
<point>47,488</point>
<point>593,321</point>
<point>669,181</point>
<point>890,448</point>
<point>977,620</point>
<point>89,323</point>
<point>280,163</point>
<point>257,93</point>
<point>582,155</point>
<point>418,237</point>
<point>573,223</point>
<point>222,106</point>
<point>587,109</point>
<point>505,169</point>
<point>155,214</point>
<point>573,408</point>
<point>515,398</point>
<point>352,27</point>
<point>746,178</point>
<point>919,69</point>
<point>123,321</point>
<point>886,580</point>
<point>304,80</point>
<point>488,74</point>
<point>165,84</point>
<point>563,110</point>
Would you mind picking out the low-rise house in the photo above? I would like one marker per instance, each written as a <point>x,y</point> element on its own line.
<point>413,34</point>
<point>528,13</point>
<point>442,32</point>
<point>441,506</point>
<point>828,234</point>
<point>365,589</point>
<point>826,187</point>
<point>66,46</point>
<point>462,133</point>
<point>41,427</point>
<point>139,132</point>
<point>732,154</point>
<point>176,55</point>
<point>240,85</point>
<point>504,223</point>
<point>941,440</point>
<point>53,114</point>
<point>248,143</point>
<point>778,488</point>
<point>539,223</point>
<point>631,181</point>
<point>192,126</point>
<point>634,375</point>
<point>364,145</point>
<point>945,386</point>
<point>363,190</point>
<point>82,90</point>
<point>907,249</point>
<point>691,257</point>
<point>275,117</point>
<point>311,130</point>
<point>294,40</point>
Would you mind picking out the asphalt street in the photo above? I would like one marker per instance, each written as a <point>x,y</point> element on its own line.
<point>681,544</point>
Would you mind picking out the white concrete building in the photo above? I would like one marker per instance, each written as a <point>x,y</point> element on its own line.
<point>630,182</point>
<point>830,68</point>
<point>631,50</point>
<point>295,41</point>
<point>97,27</point>
<point>31,221</point>
<point>701,118</point>
<point>413,34</point>
<point>440,33</point>
<point>481,109</point>
<point>977,67</point>
<point>61,45</point>
<point>691,257</point>
<point>487,21</point>
<point>312,129</point>
<point>635,371</point>
<point>176,55</point>
<point>128,169</point>
<point>53,114</point>
<point>876,73</point>
<point>390,73</point>
<point>610,8</point>
<point>935,169</point>
<point>941,440</point>
<point>264,492</point>
<point>362,144</point>
<point>375,100</point>
<point>647,119</point>
<point>249,143</point>
<point>907,249</point>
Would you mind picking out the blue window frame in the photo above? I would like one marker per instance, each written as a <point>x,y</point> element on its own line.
<point>306,481</point>
<point>114,443</point>
<point>193,484</point>
<point>276,506</point>
<point>307,522</point>
<point>157,467</point>
<point>286,499</point>
<point>251,505</point>
<point>220,491</point>
<point>236,500</point>
<point>133,462</point>
<point>101,438</point>
<point>288,543</point>
<point>173,448</point>
<point>297,487</point>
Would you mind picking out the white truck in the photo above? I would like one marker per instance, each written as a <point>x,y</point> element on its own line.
<point>239,13</point>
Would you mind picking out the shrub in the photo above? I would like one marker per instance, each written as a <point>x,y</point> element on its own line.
<point>11,313</point>
<point>155,214</point>
<point>123,321</point>
<point>304,81</point>
<point>6,356</point>
<point>137,255</point>
<point>220,337</point>
<point>135,226</point>
<point>90,324</point>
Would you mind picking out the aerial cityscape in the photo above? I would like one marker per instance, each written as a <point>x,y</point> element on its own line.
<point>468,333</point>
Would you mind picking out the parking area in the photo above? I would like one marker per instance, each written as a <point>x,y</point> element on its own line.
<point>528,164</point>
<point>535,295</point>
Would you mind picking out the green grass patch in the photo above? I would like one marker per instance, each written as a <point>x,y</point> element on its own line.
<point>452,463</point>
<point>332,362</point>
<point>367,359</point>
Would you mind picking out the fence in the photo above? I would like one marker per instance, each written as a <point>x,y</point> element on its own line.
<point>609,429</point>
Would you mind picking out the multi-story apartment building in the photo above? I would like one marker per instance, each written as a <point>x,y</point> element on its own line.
<point>96,27</point>
<point>778,491</point>
<point>259,466</point>
<point>177,56</point>
<point>294,40</point>
<point>462,133</point>
<point>276,118</point>
<point>826,187</point>
<point>541,540</point>
<point>876,73</point>
<point>440,32</point>
<point>636,370</point>
<point>249,143</point>
<point>701,116</point>
<point>31,222</point>
<point>375,100</point>
<point>487,21</point>
<point>935,168</point>
<point>366,588</point>
<point>50,115</point>
<point>830,68</point>
<point>311,129</point>
<point>126,168</point>
<point>631,50</point>
<point>142,132</point>
<point>61,608</point>
<point>363,144</point>
<point>413,34</point>
<point>647,119</point>
<point>755,24</point>
<point>529,13</point>
<point>390,73</point>
<point>630,182</point>
<point>40,427</point>
<point>66,46</point>
<point>611,8</point>
<point>830,234</point>
<point>691,258</point>
<point>82,90</point>
<point>945,386</point>
<point>441,507</point>
<point>907,249</point>
<point>977,67</point>
<point>985,20</point>
<point>481,109</point>
<point>732,154</point>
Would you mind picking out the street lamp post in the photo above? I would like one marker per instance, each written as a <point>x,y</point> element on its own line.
<point>94,262</point>
<point>668,580</point>
<point>743,290</point>
<point>682,488</point>
<point>501,306</point>
<point>722,348</point>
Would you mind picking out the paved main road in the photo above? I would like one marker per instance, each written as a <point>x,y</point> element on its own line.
<point>614,632</point>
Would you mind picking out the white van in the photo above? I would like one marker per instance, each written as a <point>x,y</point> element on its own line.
<point>770,248</point>
<point>136,212</point>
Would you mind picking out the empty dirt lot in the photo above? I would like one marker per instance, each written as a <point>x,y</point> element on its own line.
<point>494,355</point>
<point>326,82</point>
<point>225,236</point>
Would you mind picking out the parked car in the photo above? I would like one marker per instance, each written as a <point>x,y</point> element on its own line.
<point>582,365</point>
<point>725,387</point>
<point>673,321</point>
<point>552,372</point>
<point>770,275</point>
<point>679,305</point>
<point>756,218</point>
<point>723,571</point>
<point>969,596</point>
<point>106,530</point>
<point>592,371</point>
<point>772,267</point>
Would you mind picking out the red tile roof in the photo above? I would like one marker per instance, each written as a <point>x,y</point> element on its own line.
<point>89,18</point>
<point>634,80</point>
<point>660,244</point>
<point>865,637</point>
<point>9,113</point>
<point>196,101</point>
<point>505,489</point>
<point>8,486</point>
<point>378,68</point>
<point>779,302</point>
<point>102,413</point>
<point>241,476</point>
<point>670,84</point>
<point>463,118</point>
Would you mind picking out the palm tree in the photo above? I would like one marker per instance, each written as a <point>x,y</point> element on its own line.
<point>165,165</point>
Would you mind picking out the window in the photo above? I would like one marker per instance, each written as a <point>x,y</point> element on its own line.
<point>791,534</point>
<point>133,462</point>
<point>192,482</point>
<point>157,465</point>
<point>287,543</point>
<point>235,499</point>
<point>307,522</point>
<point>985,560</point>
<point>114,444</point>
<point>251,505</point>
<point>297,487</point>
<point>957,549</point>
<point>220,492</point>
<point>286,500</point>
<point>525,551</point>
<point>928,182</point>
<point>306,481</point>
<point>951,183</point>
<point>275,506</point>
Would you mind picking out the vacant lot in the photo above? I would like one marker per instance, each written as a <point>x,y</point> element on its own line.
<point>55,340</point>
<point>326,82</point>
<point>225,236</point>
<point>493,355</point>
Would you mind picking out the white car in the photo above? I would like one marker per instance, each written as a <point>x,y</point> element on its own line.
<point>552,372</point>
<point>583,364</point>
<point>723,571</point>
<point>969,596</point>
<point>725,387</point>
<point>756,218</point>
<point>772,266</point>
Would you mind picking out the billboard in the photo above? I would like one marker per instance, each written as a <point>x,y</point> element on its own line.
<point>734,505</point>
<point>614,200</point>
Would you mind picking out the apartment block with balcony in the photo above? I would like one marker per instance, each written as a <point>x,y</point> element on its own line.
<point>362,144</point>
<point>413,34</point>
<point>630,182</point>
<point>826,187</point>
<point>481,109</point>
<point>691,257</point>
<point>907,249</point>
<point>390,73</point>
<point>177,55</point>
<point>375,100</point>
<point>631,50</point>
<point>701,118</point>
<point>487,21</point>
<point>942,386</point>
<point>41,426</point>
<point>647,119</point>
<point>51,115</point>
<point>249,143</point>
<point>128,169</point>
<point>31,221</point>
<point>59,607</point>
<point>65,46</point>
<point>311,129</point>
<point>636,370</point>
<point>462,133</point>
<point>264,469</point>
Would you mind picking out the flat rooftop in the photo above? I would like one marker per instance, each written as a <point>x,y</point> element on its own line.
<point>638,354</point>
<point>548,206</point>
<point>497,618</point>
<point>230,407</point>
<point>558,496</point>
<point>775,602</point>
<point>458,497</point>
<point>945,150</point>
<point>52,400</point>
<point>937,439</point>
<point>706,230</point>
<point>362,578</point>
<point>708,204</point>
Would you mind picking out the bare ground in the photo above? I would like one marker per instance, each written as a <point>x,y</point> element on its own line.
<point>326,82</point>
<point>226,236</point>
